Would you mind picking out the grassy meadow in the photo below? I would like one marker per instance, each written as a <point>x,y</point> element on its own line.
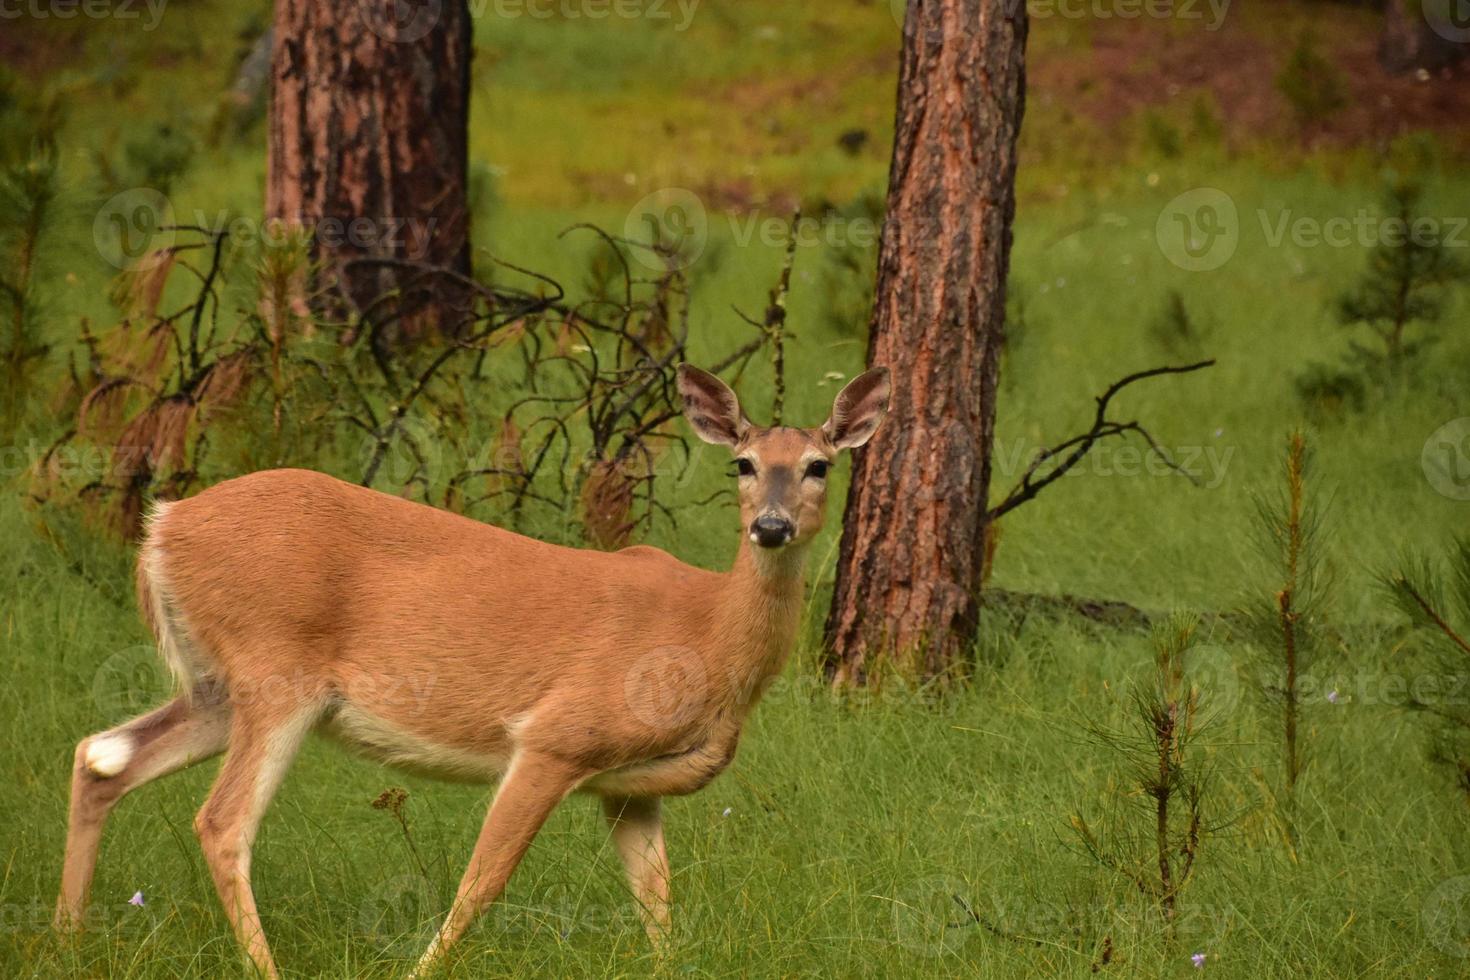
<point>894,832</point>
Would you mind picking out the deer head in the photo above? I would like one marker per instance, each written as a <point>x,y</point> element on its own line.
<point>782,471</point>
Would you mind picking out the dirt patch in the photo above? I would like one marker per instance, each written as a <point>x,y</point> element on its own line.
<point>33,53</point>
<point>1118,69</point>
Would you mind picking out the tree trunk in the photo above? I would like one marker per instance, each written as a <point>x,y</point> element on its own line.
<point>1427,34</point>
<point>912,553</point>
<point>369,127</point>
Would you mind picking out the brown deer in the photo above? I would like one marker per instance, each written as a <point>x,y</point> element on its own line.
<point>288,601</point>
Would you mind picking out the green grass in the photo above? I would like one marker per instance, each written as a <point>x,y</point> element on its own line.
<point>848,827</point>
<point>851,824</point>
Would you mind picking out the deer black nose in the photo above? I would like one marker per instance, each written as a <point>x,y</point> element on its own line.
<point>771,531</point>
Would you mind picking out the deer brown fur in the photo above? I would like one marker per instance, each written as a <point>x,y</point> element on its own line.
<point>287,602</point>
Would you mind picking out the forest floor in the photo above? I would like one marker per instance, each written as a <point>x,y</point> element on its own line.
<point>855,836</point>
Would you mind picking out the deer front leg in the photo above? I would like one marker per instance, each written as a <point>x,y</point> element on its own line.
<point>638,833</point>
<point>532,788</point>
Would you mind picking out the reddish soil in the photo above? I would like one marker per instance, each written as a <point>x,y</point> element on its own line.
<point>1109,70</point>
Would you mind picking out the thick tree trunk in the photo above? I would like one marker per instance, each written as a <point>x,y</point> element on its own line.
<point>912,554</point>
<point>1427,34</point>
<point>368,150</point>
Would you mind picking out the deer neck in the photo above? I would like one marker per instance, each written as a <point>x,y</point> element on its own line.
<point>761,612</point>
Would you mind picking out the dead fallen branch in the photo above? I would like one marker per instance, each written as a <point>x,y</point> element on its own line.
<point>1052,464</point>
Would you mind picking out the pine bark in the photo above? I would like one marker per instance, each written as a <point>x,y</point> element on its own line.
<point>368,150</point>
<point>912,551</point>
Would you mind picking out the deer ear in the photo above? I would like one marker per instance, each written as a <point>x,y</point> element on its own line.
<point>858,410</point>
<point>711,407</point>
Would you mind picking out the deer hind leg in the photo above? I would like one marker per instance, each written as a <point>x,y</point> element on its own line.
<point>638,833</point>
<point>532,788</point>
<point>261,747</point>
<point>110,764</point>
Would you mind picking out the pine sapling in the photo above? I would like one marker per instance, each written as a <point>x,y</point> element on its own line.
<point>1403,285</point>
<point>1438,609</point>
<point>1167,776</point>
<point>1287,619</point>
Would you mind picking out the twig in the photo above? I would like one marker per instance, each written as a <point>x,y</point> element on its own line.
<point>1079,446</point>
<point>1432,614</point>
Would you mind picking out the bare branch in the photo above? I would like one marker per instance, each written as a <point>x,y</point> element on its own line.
<point>1073,450</point>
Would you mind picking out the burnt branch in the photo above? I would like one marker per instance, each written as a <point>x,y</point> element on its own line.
<point>1052,464</point>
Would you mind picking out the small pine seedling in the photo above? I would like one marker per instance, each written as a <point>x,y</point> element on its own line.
<point>1439,609</point>
<point>1166,775</point>
<point>1286,610</point>
<point>1403,285</point>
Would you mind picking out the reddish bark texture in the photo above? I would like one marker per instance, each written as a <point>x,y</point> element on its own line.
<point>912,553</point>
<point>369,141</point>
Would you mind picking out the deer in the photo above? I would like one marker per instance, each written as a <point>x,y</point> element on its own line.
<point>287,602</point>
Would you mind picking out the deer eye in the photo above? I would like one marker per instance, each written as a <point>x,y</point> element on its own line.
<point>817,469</point>
<point>744,467</point>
